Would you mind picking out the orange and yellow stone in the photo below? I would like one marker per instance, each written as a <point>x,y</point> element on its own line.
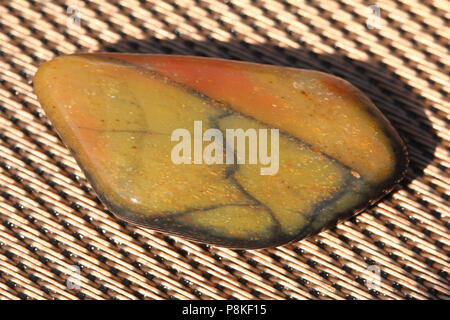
<point>151,134</point>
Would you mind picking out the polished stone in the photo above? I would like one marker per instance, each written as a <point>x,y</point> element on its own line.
<point>119,114</point>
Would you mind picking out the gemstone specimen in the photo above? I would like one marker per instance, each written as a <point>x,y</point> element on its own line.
<point>154,136</point>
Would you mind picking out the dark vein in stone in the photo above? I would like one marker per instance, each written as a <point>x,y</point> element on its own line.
<point>232,169</point>
<point>319,206</point>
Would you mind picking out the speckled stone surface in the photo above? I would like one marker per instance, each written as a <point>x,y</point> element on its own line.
<point>117,112</point>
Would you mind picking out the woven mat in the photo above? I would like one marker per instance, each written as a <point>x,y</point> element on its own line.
<point>58,242</point>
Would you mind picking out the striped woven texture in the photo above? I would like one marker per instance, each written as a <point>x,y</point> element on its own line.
<point>57,241</point>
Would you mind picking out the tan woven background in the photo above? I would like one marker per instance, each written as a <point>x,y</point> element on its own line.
<point>51,222</point>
